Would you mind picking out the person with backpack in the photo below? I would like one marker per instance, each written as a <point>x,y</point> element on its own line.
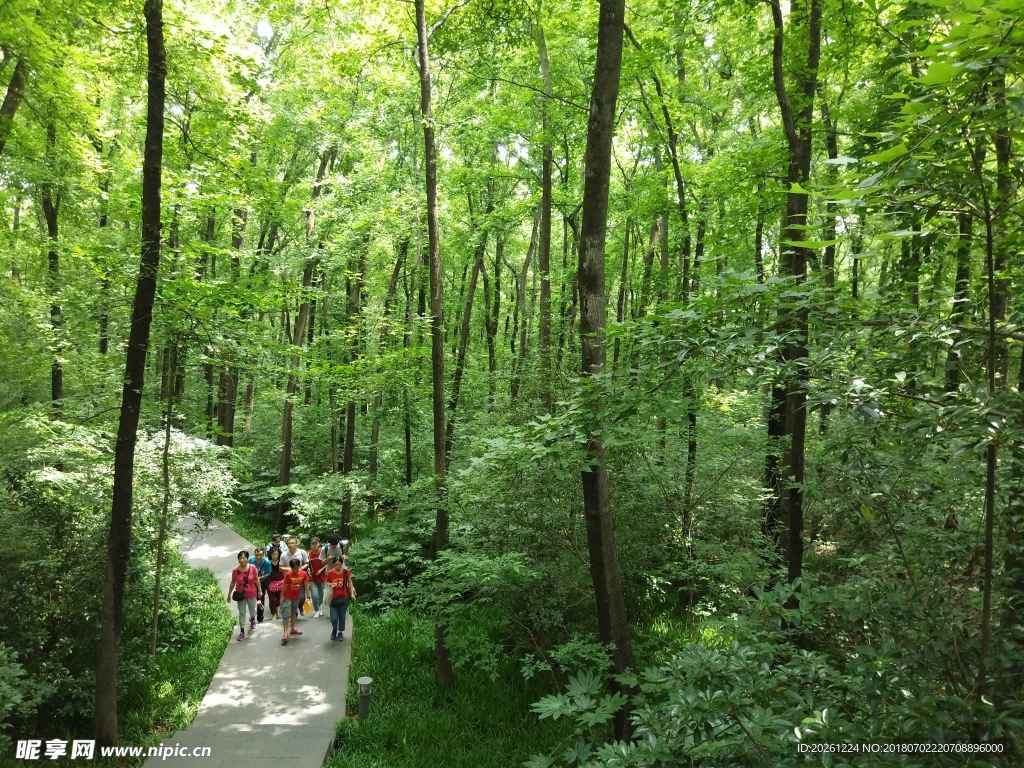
<point>332,549</point>
<point>263,568</point>
<point>342,590</point>
<point>244,589</point>
<point>276,543</point>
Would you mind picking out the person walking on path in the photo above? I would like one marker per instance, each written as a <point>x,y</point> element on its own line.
<point>342,590</point>
<point>274,583</point>
<point>334,547</point>
<point>317,576</point>
<point>294,580</point>
<point>244,589</point>
<point>263,568</point>
<point>276,543</point>
<point>287,555</point>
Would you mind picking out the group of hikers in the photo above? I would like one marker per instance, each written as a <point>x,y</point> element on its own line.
<point>281,578</point>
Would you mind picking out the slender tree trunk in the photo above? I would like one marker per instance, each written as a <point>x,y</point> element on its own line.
<point>544,247</point>
<point>797,109</point>
<point>285,476</point>
<point>51,208</point>
<point>165,507</point>
<point>403,250</point>
<point>520,315</point>
<point>620,304</point>
<point>104,335</point>
<point>828,262</point>
<point>460,360</point>
<point>441,653</point>
<point>15,91</point>
<point>355,305</point>
<point>120,534</point>
<point>961,298</point>
<point>604,564</point>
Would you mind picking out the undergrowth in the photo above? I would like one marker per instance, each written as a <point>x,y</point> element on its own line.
<point>477,722</point>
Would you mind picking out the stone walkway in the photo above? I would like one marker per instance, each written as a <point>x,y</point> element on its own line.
<point>268,704</point>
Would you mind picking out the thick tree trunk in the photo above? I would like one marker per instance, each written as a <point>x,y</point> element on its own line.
<point>604,564</point>
<point>15,91</point>
<point>441,653</point>
<point>120,534</point>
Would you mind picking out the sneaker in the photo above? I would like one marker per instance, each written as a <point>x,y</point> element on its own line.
<point>252,624</point>
<point>296,632</point>
<point>241,635</point>
<point>341,636</point>
<point>334,635</point>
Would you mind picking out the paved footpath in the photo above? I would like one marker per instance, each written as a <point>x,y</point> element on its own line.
<point>268,704</point>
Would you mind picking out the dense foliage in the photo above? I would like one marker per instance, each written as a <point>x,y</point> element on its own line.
<point>811,406</point>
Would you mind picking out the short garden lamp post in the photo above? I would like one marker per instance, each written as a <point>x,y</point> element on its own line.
<point>364,696</point>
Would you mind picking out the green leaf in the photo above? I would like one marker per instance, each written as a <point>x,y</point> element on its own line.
<point>889,154</point>
<point>865,511</point>
<point>939,72</point>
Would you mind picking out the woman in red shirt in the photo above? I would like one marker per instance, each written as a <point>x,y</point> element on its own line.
<point>244,589</point>
<point>342,590</point>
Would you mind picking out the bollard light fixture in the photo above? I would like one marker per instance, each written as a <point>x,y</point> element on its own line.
<point>364,696</point>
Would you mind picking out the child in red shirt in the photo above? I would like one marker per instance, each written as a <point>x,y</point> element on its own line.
<point>294,581</point>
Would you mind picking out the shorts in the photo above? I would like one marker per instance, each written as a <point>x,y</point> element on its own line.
<point>289,604</point>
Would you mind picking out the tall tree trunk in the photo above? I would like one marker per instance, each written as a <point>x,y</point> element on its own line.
<point>285,476</point>
<point>604,563</point>
<point>354,308</point>
<point>51,207</point>
<point>15,91</point>
<point>228,387</point>
<point>104,334</point>
<point>961,298</point>
<point>403,251</point>
<point>520,315</point>
<point>544,247</point>
<point>460,359</point>
<point>161,536</point>
<point>120,534</point>
<point>797,109</point>
<point>620,304</point>
<point>828,262</point>
<point>441,653</point>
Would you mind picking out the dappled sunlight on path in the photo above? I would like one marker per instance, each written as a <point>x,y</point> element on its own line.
<point>267,700</point>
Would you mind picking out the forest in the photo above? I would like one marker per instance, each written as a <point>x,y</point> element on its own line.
<point>660,361</point>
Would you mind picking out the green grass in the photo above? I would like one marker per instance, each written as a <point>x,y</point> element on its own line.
<point>249,523</point>
<point>195,628</point>
<point>475,723</point>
